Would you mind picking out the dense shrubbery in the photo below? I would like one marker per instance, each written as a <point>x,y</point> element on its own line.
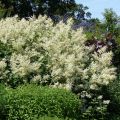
<point>114,94</point>
<point>36,51</point>
<point>50,118</point>
<point>30,102</point>
<point>3,102</point>
<point>53,118</point>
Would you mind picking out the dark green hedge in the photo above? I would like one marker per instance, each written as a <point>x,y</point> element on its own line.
<point>114,106</point>
<point>52,118</point>
<point>30,102</point>
<point>3,102</point>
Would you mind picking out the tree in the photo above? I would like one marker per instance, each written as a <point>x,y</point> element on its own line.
<point>81,12</point>
<point>55,9</point>
<point>26,8</point>
<point>23,8</point>
<point>5,8</point>
<point>111,20</point>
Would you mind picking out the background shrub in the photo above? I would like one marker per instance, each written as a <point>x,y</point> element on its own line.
<point>114,94</point>
<point>52,118</point>
<point>3,102</point>
<point>31,101</point>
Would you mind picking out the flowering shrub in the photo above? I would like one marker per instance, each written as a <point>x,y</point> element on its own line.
<point>24,56</point>
<point>37,51</point>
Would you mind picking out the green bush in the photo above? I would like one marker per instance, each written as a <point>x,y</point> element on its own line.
<point>51,118</point>
<point>114,106</point>
<point>115,117</point>
<point>3,93</point>
<point>31,101</point>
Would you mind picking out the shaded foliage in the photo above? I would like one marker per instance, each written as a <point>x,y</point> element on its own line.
<point>26,8</point>
<point>55,9</point>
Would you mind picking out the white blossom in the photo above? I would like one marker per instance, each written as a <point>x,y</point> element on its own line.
<point>100,97</point>
<point>36,45</point>
<point>2,65</point>
<point>106,102</point>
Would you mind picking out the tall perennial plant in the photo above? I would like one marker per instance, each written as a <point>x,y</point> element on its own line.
<point>37,51</point>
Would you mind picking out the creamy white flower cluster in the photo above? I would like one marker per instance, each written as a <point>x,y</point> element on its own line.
<point>41,51</point>
<point>24,41</point>
<point>100,69</point>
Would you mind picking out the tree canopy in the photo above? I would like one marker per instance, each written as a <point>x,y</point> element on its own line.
<point>111,20</point>
<point>56,9</point>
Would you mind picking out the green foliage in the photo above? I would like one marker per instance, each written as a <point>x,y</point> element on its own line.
<point>110,24</point>
<point>114,93</point>
<point>52,118</point>
<point>111,20</point>
<point>48,118</point>
<point>43,53</point>
<point>30,101</point>
<point>111,111</point>
<point>3,102</point>
<point>117,52</point>
<point>114,117</point>
<point>96,109</point>
<point>56,9</point>
<point>81,13</point>
<point>26,8</point>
